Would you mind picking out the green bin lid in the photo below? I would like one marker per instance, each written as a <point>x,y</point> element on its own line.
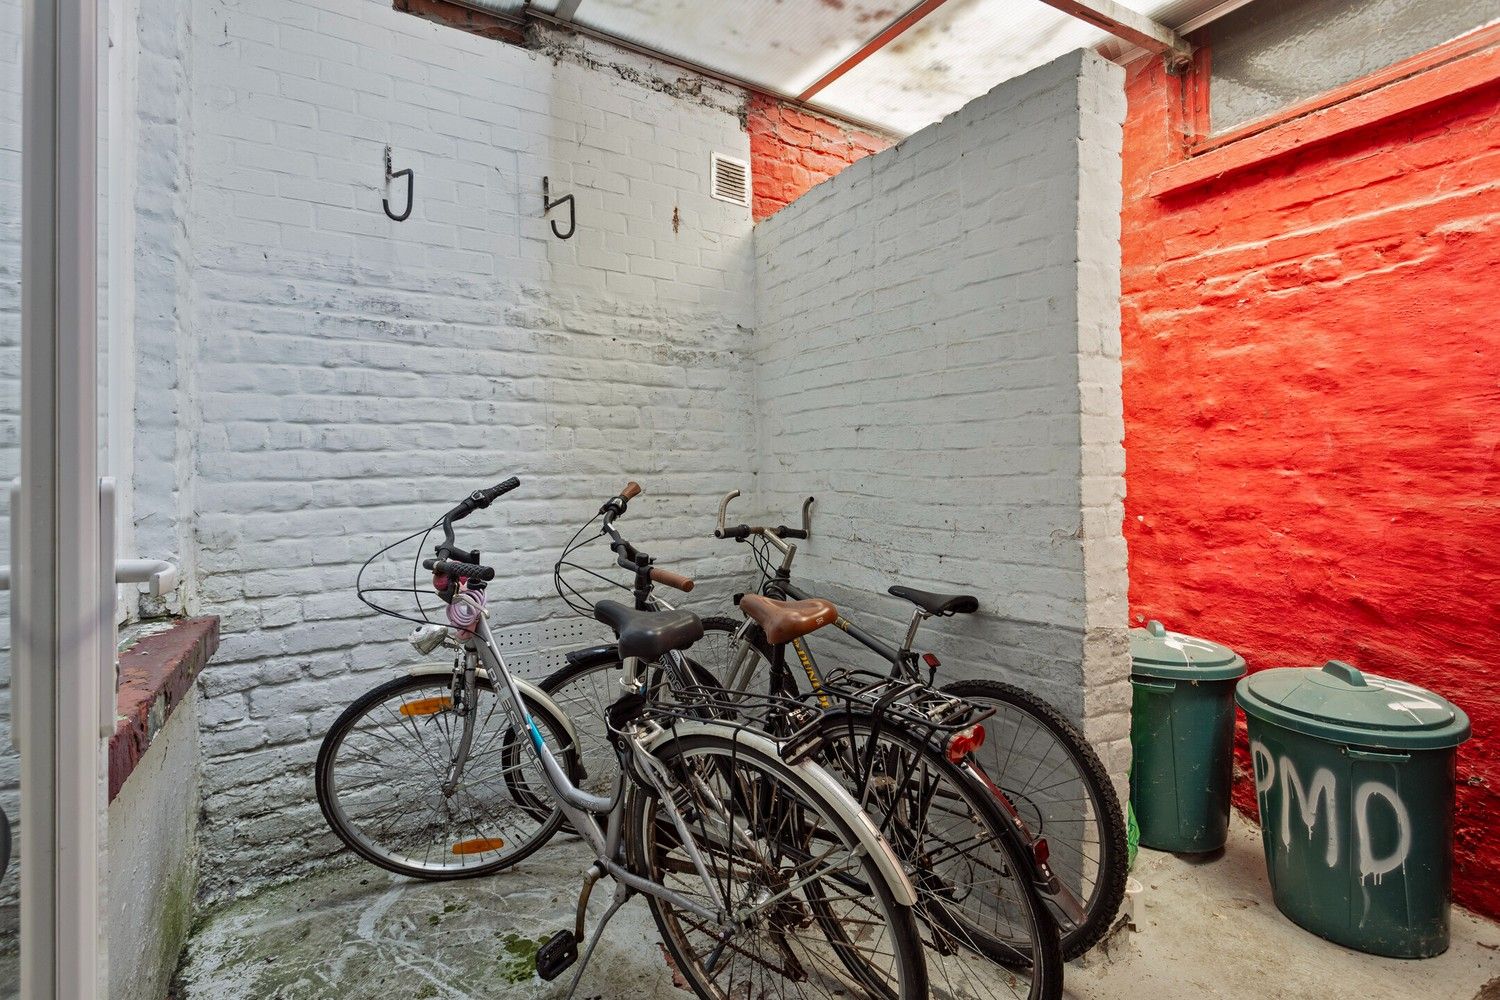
<point>1344,705</point>
<point>1155,652</point>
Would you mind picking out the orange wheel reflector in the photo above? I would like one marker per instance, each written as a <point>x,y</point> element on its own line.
<point>478,846</point>
<point>427,706</point>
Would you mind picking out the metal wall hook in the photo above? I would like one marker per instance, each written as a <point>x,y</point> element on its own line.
<point>411,183</point>
<point>548,204</point>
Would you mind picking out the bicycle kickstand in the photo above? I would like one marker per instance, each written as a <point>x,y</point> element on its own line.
<point>622,893</point>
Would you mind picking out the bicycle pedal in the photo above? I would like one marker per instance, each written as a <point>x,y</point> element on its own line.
<point>555,956</point>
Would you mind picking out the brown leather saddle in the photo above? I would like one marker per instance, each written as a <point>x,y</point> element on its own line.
<point>783,621</point>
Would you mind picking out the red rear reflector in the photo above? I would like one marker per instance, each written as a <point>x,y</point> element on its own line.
<point>931,661</point>
<point>1041,850</point>
<point>965,742</point>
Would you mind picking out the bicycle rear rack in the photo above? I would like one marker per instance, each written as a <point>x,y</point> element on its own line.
<point>801,725</point>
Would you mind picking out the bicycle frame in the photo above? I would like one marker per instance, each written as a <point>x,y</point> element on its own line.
<point>584,809</point>
<point>903,661</point>
<point>903,667</point>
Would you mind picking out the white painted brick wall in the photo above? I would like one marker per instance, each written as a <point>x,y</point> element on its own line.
<point>354,375</point>
<point>937,348</point>
<point>313,380</point>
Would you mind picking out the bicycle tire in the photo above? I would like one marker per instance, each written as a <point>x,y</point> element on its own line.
<point>526,794</point>
<point>1108,889</point>
<point>584,690</point>
<point>1042,950</point>
<point>908,968</point>
<point>1031,939</point>
<point>1107,893</point>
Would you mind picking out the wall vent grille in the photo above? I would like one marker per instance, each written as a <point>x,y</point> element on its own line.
<point>729,179</point>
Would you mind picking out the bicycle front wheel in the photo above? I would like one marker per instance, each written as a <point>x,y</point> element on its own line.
<point>813,915</point>
<point>1059,786</point>
<point>384,780</point>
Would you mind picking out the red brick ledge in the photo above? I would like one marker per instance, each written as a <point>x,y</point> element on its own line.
<point>156,674</point>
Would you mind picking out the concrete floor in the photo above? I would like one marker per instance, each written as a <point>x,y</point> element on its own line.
<point>1203,930</point>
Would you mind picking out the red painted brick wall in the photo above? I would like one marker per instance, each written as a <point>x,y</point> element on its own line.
<point>1312,411</point>
<point>791,150</point>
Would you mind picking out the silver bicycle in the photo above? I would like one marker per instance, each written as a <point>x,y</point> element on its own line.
<point>764,877</point>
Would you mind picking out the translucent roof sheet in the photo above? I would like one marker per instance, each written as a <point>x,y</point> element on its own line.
<point>960,50</point>
<point>782,45</point>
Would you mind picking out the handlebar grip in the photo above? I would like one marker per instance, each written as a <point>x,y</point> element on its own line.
<point>784,532</point>
<point>479,500</point>
<point>669,579</point>
<point>499,490</point>
<point>631,491</point>
<point>471,571</point>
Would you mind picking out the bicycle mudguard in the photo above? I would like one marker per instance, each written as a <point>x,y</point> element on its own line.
<point>594,656</point>
<point>526,688</point>
<point>870,837</point>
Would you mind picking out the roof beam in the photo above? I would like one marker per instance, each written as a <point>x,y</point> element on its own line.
<point>1122,22</point>
<point>881,39</point>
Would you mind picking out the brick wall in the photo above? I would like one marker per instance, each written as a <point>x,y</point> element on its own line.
<point>1311,372</point>
<point>791,150</point>
<point>313,379</point>
<point>938,352</point>
<point>353,375</point>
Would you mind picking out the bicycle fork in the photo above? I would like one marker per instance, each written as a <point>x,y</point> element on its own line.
<point>468,701</point>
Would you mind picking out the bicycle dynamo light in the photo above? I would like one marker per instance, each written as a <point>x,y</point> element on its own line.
<point>426,638</point>
<point>965,742</point>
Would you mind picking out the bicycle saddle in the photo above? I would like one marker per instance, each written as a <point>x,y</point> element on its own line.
<point>649,634</point>
<point>783,621</point>
<point>938,604</point>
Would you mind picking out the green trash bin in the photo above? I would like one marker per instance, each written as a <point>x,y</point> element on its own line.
<point>1182,734</point>
<point>1354,776</point>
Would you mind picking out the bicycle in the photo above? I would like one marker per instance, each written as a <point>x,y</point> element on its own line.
<point>1044,767</point>
<point>738,852</point>
<point>901,753</point>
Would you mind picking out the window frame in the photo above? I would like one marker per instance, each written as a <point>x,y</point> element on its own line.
<point>1445,71</point>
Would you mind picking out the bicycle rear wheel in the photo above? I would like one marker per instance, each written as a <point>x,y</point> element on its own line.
<point>1059,786</point>
<point>382,766</point>
<point>972,875</point>
<point>1048,771</point>
<point>813,907</point>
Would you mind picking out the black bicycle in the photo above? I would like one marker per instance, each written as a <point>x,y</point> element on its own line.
<point>1042,763</point>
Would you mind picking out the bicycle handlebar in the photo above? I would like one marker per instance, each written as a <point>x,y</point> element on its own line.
<point>667,578</point>
<point>627,556</point>
<point>480,499</point>
<point>740,532</point>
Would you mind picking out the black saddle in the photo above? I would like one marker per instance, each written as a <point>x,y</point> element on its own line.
<point>649,634</point>
<point>938,604</point>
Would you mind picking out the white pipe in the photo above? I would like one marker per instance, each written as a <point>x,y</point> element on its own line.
<point>160,574</point>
